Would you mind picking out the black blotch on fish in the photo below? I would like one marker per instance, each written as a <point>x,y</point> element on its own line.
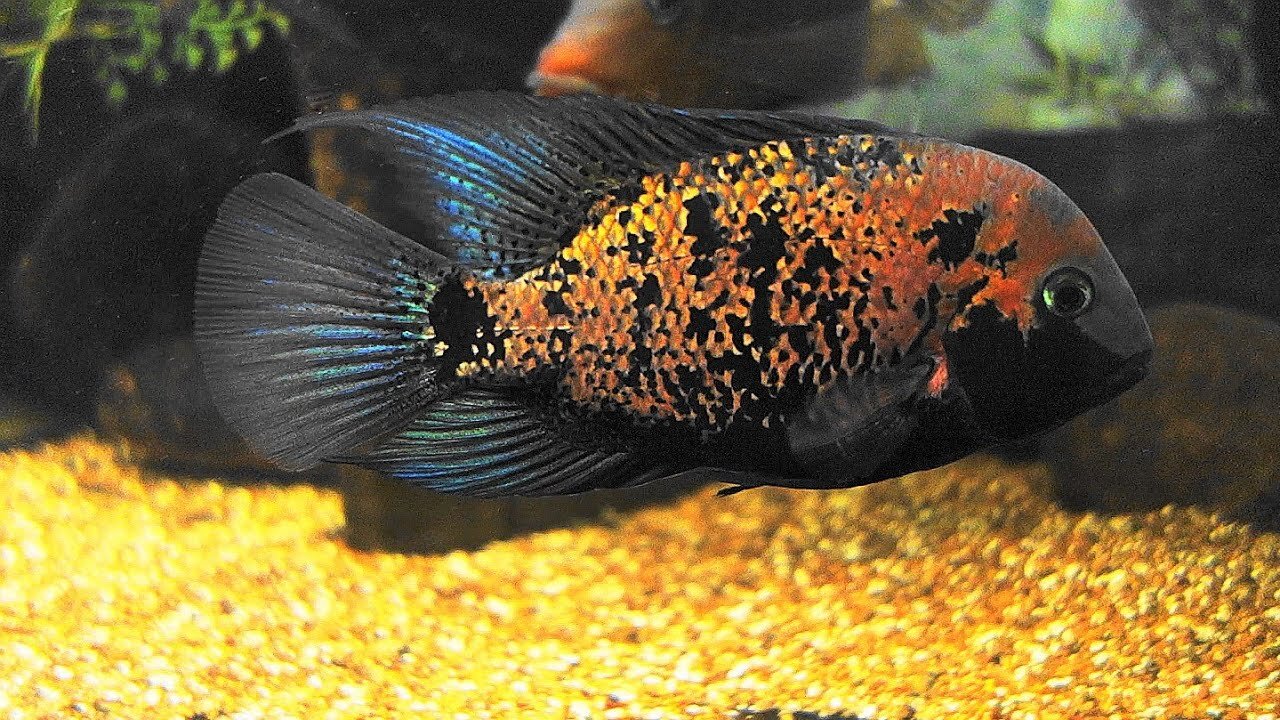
<point>1003,372</point>
<point>863,348</point>
<point>648,293</point>
<point>700,225</point>
<point>885,152</point>
<point>700,326</point>
<point>555,304</point>
<point>1001,259</point>
<point>888,297</point>
<point>957,235</point>
<point>702,267</point>
<point>846,158</point>
<point>766,246</point>
<point>802,345</point>
<point>461,319</point>
<point>627,194</point>
<point>931,317</point>
<point>817,257</point>
<point>639,251</point>
<point>570,266</point>
<point>964,296</point>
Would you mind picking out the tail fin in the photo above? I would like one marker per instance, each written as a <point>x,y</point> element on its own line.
<point>312,322</point>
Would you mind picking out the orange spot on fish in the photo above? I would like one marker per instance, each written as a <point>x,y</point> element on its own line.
<point>938,381</point>
<point>567,58</point>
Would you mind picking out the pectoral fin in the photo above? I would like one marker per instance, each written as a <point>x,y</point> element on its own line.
<point>849,429</point>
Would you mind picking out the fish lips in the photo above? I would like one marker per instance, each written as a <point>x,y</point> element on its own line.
<point>1017,386</point>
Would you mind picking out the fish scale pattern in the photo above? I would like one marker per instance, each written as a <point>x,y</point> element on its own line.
<point>723,291</point>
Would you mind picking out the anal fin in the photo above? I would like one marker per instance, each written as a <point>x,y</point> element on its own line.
<point>489,443</point>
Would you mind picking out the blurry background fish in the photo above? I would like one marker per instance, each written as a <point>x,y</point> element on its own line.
<point>940,66</point>
<point>1048,65</point>
<point>755,53</point>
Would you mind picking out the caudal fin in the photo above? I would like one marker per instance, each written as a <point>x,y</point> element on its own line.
<point>312,322</point>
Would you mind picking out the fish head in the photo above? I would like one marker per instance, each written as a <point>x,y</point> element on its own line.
<point>1052,327</point>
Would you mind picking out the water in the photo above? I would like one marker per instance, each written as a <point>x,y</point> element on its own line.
<point>150,565</point>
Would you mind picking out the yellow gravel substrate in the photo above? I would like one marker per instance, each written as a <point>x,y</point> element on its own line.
<point>956,594</point>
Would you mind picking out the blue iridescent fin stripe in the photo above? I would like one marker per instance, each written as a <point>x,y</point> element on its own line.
<point>486,443</point>
<point>499,180</point>
<point>311,322</point>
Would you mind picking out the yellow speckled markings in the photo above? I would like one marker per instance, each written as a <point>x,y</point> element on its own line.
<point>710,293</point>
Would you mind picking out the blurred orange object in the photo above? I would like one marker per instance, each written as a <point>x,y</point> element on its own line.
<point>748,54</point>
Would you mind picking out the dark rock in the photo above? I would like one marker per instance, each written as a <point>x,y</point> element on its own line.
<point>1200,430</point>
<point>1262,513</point>
<point>156,401</point>
<point>111,214</point>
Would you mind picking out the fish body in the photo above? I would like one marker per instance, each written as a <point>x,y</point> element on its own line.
<point>620,292</point>
<point>743,54</point>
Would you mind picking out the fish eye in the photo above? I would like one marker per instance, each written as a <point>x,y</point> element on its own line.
<point>1068,293</point>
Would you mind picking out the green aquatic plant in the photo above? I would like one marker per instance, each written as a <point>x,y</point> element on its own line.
<point>1098,65</point>
<point>132,39</point>
<point>1042,65</point>
<point>1210,41</point>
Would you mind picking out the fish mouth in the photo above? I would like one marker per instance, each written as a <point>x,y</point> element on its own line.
<point>1130,373</point>
<point>551,85</point>
<point>1060,410</point>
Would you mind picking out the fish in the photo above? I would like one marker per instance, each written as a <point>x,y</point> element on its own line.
<point>743,54</point>
<point>608,293</point>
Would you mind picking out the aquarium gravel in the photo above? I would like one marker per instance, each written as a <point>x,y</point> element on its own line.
<point>960,593</point>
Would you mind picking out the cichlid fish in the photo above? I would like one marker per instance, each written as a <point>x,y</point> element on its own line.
<point>612,293</point>
<point>743,53</point>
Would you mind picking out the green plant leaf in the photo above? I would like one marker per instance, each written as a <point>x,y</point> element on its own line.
<point>128,37</point>
<point>117,91</point>
<point>195,56</point>
<point>278,20</point>
<point>252,36</point>
<point>34,92</point>
<point>226,58</point>
<point>150,40</point>
<point>134,63</point>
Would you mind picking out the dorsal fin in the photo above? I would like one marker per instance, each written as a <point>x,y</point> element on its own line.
<point>500,179</point>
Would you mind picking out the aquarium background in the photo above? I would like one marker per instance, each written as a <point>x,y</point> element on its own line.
<point>150,566</point>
